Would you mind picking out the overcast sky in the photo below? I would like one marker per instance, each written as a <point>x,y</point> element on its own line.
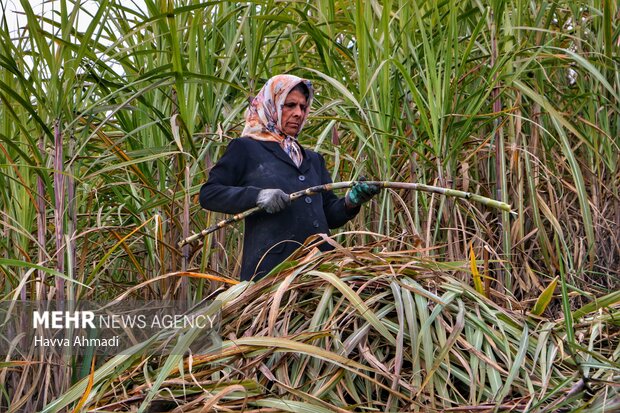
<point>15,17</point>
<point>13,11</point>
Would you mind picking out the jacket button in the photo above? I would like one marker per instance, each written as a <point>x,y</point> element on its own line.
<point>315,224</point>
<point>302,178</point>
<point>308,200</point>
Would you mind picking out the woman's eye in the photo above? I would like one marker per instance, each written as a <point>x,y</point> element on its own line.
<point>294,105</point>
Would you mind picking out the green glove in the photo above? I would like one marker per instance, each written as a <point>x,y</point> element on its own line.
<point>361,192</point>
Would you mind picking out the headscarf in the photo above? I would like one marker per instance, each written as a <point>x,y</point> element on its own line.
<point>264,115</point>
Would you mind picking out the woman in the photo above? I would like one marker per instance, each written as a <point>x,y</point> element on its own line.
<point>265,165</point>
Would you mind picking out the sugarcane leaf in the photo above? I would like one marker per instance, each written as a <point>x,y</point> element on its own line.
<point>474,271</point>
<point>292,406</point>
<point>545,298</point>
<point>598,303</point>
<point>357,302</point>
<point>517,364</point>
<point>18,263</point>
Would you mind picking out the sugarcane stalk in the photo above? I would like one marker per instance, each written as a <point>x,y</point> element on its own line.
<point>313,190</point>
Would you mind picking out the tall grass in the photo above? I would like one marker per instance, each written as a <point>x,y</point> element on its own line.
<point>106,134</point>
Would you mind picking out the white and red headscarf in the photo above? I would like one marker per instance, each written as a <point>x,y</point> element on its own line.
<point>263,118</point>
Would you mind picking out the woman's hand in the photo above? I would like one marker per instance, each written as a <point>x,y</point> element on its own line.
<point>272,200</point>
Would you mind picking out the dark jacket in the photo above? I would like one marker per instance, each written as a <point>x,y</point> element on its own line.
<point>248,166</point>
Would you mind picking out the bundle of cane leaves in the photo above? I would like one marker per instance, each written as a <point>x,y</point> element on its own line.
<point>366,329</point>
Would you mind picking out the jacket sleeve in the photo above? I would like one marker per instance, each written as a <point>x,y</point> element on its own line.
<point>336,212</point>
<point>223,191</point>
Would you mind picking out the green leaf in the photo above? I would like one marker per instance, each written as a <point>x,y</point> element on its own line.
<point>598,303</point>
<point>545,298</point>
<point>357,302</point>
<point>23,264</point>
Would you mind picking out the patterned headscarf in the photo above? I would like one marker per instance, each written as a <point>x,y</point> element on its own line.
<point>264,115</point>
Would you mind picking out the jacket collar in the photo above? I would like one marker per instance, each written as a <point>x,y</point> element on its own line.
<point>279,153</point>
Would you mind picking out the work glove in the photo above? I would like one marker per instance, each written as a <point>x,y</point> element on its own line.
<point>361,192</point>
<point>272,200</point>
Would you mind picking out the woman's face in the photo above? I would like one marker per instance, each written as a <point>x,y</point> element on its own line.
<point>293,112</point>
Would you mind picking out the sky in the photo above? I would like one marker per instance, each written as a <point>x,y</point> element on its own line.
<point>13,11</point>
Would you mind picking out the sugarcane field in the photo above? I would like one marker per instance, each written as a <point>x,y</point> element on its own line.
<point>309,206</point>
